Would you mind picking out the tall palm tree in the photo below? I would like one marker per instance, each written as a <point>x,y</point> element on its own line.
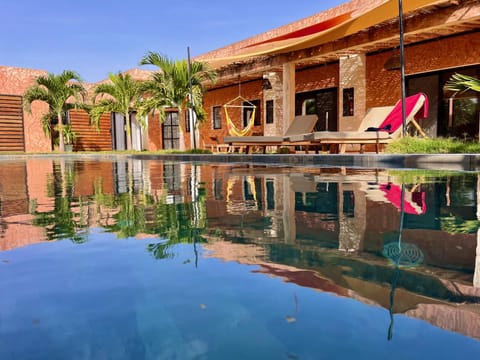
<point>57,91</point>
<point>170,86</point>
<point>120,95</point>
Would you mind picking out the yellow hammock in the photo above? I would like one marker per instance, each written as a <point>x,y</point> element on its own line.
<point>232,129</point>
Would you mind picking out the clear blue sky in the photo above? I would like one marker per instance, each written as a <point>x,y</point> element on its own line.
<point>95,37</point>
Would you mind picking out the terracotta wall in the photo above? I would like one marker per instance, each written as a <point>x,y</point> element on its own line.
<point>154,133</point>
<point>319,77</point>
<point>15,81</point>
<point>383,87</point>
<point>250,90</point>
<point>88,137</point>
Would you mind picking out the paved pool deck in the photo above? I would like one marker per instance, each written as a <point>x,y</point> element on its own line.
<point>456,162</point>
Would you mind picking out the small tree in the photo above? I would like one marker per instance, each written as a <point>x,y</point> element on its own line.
<point>55,90</point>
<point>120,95</point>
<point>170,86</point>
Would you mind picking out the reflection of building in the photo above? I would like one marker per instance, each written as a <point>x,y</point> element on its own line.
<point>334,211</point>
<point>323,228</point>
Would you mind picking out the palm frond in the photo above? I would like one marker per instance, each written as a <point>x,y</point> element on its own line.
<point>462,83</point>
<point>35,93</point>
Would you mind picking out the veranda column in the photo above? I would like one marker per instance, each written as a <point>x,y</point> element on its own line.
<point>352,84</point>
<point>288,95</point>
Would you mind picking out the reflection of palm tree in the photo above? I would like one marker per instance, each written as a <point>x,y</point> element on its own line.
<point>119,95</point>
<point>141,213</point>
<point>62,222</point>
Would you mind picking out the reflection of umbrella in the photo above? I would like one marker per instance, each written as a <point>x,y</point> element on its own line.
<point>414,201</point>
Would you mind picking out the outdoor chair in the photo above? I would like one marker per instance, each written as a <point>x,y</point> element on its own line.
<point>299,127</point>
<point>389,127</point>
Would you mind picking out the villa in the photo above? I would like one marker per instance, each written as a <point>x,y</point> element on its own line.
<point>337,64</point>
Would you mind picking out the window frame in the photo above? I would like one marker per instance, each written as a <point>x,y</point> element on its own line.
<point>216,117</point>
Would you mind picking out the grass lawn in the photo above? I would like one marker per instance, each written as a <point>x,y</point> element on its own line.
<point>414,145</point>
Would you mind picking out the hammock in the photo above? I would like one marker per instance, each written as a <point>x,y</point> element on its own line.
<point>232,129</point>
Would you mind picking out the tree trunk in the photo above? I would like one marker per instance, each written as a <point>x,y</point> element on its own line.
<point>129,130</point>
<point>61,143</point>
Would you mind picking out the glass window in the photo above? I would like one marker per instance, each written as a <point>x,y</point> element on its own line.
<point>309,106</point>
<point>170,131</point>
<point>269,112</point>
<point>217,117</point>
<point>348,102</point>
<point>247,112</point>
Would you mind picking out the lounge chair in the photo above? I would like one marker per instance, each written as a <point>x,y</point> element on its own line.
<point>389,127</point>
<point>301,125</point>
<point>414,201</point>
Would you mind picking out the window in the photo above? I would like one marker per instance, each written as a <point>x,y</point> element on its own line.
<point>309,106</point>
<point>217,117</point>
<point>170,131</point>
<point>247,112</point>
<point>348,102</point>
<point>269,111</point>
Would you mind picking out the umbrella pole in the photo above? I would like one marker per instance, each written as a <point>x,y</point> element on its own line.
<point>402,67</point>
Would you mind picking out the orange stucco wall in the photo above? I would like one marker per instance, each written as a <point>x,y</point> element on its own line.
<point>154,132</point>
<point>15,81</point>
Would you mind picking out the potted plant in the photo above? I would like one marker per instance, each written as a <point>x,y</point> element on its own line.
<point>69,137</point>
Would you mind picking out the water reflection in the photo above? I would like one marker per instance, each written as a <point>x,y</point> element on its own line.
<point>342,231</point>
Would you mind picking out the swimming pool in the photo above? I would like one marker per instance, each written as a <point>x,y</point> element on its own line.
<point>143,259</point>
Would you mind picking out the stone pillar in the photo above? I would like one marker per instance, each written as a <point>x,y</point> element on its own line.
<point>275,93</point>
<point>352,75</point>
<point>288,95</point>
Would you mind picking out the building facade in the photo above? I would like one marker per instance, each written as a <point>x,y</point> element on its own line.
<point>341,62</point>
<point>337,64</point>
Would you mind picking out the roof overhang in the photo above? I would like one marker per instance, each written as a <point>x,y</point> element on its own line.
<point>369,31</point>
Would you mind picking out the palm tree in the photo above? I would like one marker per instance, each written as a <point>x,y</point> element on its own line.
<point>462,83</point>
<point>170,86</point>
<point>120,95</point>
<point>55,90</point>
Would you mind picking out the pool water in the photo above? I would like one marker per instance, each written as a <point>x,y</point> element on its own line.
<point>151,260</point>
